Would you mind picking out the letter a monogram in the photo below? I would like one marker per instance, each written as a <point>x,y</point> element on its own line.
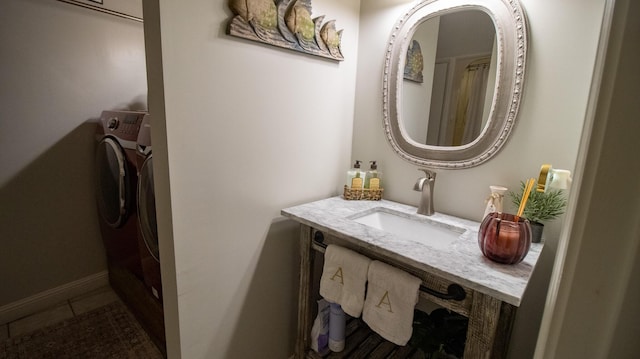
<point>338,274</point>
<point>388,302</point>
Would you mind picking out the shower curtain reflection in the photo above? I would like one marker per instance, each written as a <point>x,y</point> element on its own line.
<point>470,105</point>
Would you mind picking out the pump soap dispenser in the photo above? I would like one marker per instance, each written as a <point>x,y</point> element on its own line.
<point>494,201</point>
<point>355,176</point>
<point>373,177</point>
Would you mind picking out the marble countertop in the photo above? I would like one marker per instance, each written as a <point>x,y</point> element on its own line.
<point>460,262</point>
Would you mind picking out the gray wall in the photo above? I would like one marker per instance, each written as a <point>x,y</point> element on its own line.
<point>60,66</point>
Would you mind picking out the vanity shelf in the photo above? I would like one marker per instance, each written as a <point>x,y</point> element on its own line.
<point>361,342</point>
<point>492,292</point>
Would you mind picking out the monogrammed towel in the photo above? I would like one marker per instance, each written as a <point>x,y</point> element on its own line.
<point>343,278</point>
<point>392,295</point>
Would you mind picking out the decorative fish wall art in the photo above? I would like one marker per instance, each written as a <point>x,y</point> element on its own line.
<point>287,24</point>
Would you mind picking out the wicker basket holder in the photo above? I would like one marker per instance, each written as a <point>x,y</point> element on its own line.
<point>363,194</point>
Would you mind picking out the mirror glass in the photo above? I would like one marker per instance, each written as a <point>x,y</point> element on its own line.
<point>452,82</point>
<point>447,101</point>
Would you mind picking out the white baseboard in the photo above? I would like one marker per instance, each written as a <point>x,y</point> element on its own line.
<point>51,297</point>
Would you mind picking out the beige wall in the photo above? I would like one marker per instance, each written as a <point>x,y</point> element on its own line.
<point>250,129</point>
<point>548,130</point>
<point>60,67</point>
<point>236,153</point>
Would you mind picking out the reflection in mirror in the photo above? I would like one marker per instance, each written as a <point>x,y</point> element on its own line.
<point>469,127</point>
<point>449,105</point>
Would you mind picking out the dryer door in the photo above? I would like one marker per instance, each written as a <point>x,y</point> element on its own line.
<point>113,187</point>
<point>147,208</point>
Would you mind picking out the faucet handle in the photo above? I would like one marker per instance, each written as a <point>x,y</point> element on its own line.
<point>428,173</point>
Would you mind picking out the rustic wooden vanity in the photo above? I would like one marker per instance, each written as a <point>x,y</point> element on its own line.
<point>457,276</point>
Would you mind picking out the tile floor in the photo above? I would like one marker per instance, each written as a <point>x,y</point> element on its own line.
<point>60,312</point>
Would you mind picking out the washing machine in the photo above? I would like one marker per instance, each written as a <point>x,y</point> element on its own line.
<point>118,188</point>
<point>116,156</point>
<point>146,204</point>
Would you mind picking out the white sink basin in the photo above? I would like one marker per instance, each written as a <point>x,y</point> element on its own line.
<point>415,228</point>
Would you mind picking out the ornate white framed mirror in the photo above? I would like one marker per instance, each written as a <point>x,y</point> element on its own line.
<point>453,79</point>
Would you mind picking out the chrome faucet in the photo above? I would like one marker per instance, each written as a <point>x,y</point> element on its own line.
<point>425,185</point>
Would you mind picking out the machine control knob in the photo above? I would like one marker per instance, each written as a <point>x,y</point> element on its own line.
<point>112,123</point>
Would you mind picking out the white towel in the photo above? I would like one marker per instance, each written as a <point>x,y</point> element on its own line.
<point>343,278</point>
<point>392,295</point>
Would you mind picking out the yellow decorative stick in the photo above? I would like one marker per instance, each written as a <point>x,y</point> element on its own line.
<point>525,196</point>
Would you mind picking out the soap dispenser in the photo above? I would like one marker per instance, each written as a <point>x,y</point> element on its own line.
<point>494,201</point>
<point>373,177</point>
<point>355,176</point>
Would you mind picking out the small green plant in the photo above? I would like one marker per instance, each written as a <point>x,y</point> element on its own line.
<point>541,206</point>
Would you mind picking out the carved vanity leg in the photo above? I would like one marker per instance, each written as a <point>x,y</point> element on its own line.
<point>305,310</point>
